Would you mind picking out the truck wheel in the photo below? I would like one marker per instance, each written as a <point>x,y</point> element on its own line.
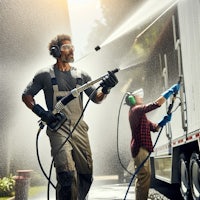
<point>184,178</point>
<point>195,176</point>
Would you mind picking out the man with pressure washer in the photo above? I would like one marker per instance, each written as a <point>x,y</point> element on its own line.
<point>141,143</point>
<point>72,156</point>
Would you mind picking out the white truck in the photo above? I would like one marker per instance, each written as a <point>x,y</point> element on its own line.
<point>176,54</point>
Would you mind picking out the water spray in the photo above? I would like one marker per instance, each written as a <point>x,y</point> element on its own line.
<point>97,48</point>
<point>122,68</point>
<point>151,24</point>
<point>150,9</point>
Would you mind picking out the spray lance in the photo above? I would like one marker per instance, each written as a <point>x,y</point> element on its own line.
<point>173,98</point>
<point>61,117</point>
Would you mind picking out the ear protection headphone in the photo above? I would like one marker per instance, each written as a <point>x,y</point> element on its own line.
<point>55,51</point>
<point>130,99</point>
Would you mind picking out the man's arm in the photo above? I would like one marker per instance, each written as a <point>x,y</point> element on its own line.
<point>28,100</point>
<point>46,116</point>
<point>165,95</point>
<point>160,100</point>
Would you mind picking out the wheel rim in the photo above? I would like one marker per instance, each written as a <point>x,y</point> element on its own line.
<point>195,178</point>
<point>184,179</point>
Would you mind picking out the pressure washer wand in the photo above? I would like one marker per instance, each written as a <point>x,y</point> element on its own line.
<point>61,117</point>
<point>76,92</point>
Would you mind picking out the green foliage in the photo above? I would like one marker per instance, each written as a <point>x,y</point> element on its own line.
<point>4,198</point>
<point>7,185</point>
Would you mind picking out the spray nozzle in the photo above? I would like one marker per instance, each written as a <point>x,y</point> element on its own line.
<point>115,70</point>
<point>97,48</point>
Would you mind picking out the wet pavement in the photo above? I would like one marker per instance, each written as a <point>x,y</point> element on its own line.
<point>108,191</point>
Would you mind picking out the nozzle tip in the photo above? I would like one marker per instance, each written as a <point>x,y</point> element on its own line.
<point>97,48</point>
<point>115,70</point>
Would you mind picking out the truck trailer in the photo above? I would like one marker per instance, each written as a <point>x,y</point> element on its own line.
<point>176,56</point>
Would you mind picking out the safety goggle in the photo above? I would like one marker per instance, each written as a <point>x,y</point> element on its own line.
<point>66,47</point>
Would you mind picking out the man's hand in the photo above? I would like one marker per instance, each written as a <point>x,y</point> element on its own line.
<point>46,116</point>
<point>172,90</point>
<point>165,120</point>
<point>108,82</point>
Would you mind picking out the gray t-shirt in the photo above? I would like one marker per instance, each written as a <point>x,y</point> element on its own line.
<point>66,81</point>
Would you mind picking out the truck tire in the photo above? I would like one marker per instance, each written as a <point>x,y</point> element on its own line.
<point>184,178</point>
<point>195,175</point>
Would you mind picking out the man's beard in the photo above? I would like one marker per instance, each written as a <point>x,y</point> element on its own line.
<point>67,59</point>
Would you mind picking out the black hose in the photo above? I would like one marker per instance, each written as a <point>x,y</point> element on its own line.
<point>38,157</point>
<point>52,162</point>
<point>50,170</point>
<point>141,165</point>
<point>118,137</point>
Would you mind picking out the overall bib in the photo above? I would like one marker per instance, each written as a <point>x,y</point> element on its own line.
<point>71,152</point>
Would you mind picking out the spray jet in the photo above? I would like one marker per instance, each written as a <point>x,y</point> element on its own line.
<point>97,48</point>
